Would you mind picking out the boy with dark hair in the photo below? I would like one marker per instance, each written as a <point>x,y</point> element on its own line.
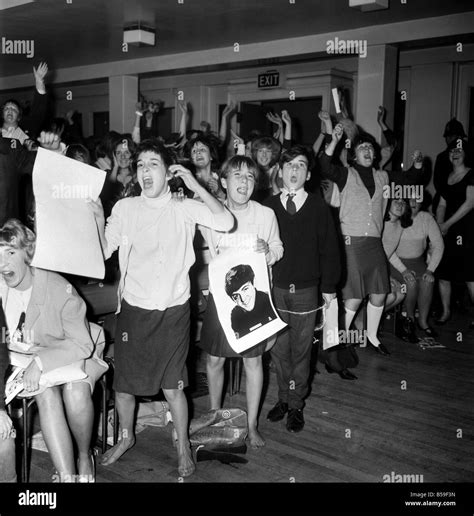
<point>311,262</point>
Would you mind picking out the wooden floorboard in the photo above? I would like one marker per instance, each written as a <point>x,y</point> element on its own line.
<point>404,414</point>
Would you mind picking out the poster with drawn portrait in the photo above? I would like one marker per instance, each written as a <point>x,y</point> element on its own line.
<point>240,285</point>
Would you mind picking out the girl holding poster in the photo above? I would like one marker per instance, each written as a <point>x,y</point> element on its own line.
<point>256,228</point>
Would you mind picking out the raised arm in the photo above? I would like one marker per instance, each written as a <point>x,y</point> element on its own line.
<point>326,128</point>
<point>285,116</point>
<point>224,124</point>
<point>183,106</point>
<point>136,136</point>
<point>39,106</point>
<point>222,219</point>
<point>335,173</point>
<point>276,120</point>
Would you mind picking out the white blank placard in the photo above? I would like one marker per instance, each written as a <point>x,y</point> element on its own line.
<point>67,239</point>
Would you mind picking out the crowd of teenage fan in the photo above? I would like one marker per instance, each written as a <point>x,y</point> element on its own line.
<point>330,220</point>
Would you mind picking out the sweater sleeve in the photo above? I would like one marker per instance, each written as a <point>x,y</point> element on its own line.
<point>113,230</point>
<point>329,253</point>
<point>436,243</point>
<point>275,245</point>
<point>336,173</point>
<point>199,213</point>
<point>76,344</point>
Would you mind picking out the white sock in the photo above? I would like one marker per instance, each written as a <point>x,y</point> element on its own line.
<point>374,314</point>
<point>348,318</point>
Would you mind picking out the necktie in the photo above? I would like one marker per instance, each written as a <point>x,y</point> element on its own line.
<point>290,205</point>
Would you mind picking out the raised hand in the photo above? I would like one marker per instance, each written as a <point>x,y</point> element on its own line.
<point>381,112</point>
<point>189,180</point>
<point>274,118</point>
<point>50,141</point>
<point>285,117</point>
<point>236,137</point>
<point>324,116</point>
<point>228,109</point>
<point>326,123</point>
<point>40,72</point>
<point>103,163</point>
<point>183,106</point>
<point>337,133</point>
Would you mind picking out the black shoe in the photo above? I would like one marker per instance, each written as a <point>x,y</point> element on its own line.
<point>277,413</point>
<point>345,374</point>
<point>428,332</point>
<point>295,420</point>
<point>380,348</point>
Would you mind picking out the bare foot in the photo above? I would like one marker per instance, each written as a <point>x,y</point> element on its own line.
<point>186,466</point>
<point>255,439</point>
<point>112,455</point>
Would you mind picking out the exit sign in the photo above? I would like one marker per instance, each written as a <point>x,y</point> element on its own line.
<point>270,79</point>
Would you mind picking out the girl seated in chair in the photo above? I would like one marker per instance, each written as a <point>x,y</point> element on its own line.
<point>43,309</point>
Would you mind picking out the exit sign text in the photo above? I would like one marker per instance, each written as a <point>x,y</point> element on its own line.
<point>269,79</point>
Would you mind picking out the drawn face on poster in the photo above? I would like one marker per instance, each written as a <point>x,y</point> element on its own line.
<point>241,289</point>
<point>253,308</point>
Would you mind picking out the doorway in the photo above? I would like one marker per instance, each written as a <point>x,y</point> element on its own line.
<point>303,112</point>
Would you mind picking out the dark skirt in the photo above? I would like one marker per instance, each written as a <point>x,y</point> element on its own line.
<point>457,263</point>
<point>417,265</point>
<point>151,347</point>
<point>214,341</point>
<point>367,270</point>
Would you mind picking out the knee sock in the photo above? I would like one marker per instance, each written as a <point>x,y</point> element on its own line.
<point>374,314</point>
<point>348,318</point>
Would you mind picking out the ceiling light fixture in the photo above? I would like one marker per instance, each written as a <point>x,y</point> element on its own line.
<point>369,5</point>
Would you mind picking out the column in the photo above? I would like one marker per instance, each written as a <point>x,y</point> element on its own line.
<point>123,96</point>
<point>376,86</point>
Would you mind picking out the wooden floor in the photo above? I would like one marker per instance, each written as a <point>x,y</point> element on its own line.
<point>355,431</point>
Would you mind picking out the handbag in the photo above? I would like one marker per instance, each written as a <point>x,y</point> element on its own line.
<point>219,428</point>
